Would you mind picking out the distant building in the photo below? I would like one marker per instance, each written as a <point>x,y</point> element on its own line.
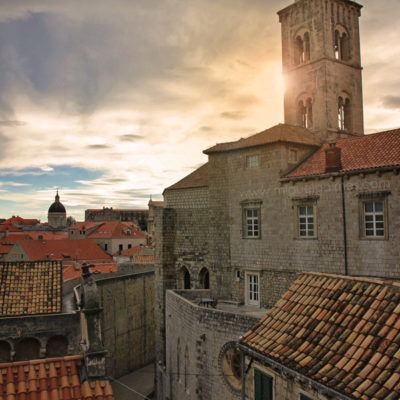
<point>138,217</point>
<point>137,255</point>
<point>113,236</point>
<point>57,215</point>
<point>150,222</point>
<point>72,253</point>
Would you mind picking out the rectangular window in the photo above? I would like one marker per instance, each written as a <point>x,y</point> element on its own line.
<point>373,215</point>
<point>252,222</point>
<point>306,221</point>
<point>374,219</point>
<point>292,155</point>
<point>253,288</point>
<point>120,247</point>
<point>262,386</point>
<point>252,161</point>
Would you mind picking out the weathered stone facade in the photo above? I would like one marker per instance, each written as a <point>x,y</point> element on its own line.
<point>198,337</point>
<point>127,321</point>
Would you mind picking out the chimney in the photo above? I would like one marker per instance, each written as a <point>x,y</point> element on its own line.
<point>333,160</point>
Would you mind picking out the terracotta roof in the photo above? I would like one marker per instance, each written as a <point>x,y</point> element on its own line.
<point>116,209</point>
<point>146,250</point>
<point>64,250</point>
<point>9,227</point>
<point>198,178</point>
<point>156,203</point>
<point>21,221</point>
<point>115,229</point>
<point>340,331</point>
<point>85,225</point>
<point>28,288</point>
<point>357,153</point>
<point>72,270</point>
<point>51,378</point>
<point>278,133</point>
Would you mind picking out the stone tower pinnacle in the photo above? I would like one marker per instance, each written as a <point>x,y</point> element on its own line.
<point>322,67</point>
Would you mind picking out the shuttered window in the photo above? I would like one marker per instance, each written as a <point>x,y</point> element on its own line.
<point>262,386</point>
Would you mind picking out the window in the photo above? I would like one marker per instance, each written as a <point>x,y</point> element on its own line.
<point>252,161</point>
<point>292,155</point>
<point>344,114</point>
<point>302,49</point>
<point>251,214</point>
<point>341,46</point>
<point>305,217</point>
<point>252,288</point>
<point>262,386</point>
<point>304,113</point>
<point>373,218</point>
<point>306,221</point>
<point>120,247</point>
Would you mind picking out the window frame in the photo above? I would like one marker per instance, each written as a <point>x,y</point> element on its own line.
<point>379,197</point>
<point>248,291</point>
<point>310,201</point>
<point>250,161</point>
<point>259,394</point>
<point>254,205</point>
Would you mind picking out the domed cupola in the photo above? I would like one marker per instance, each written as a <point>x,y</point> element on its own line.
<point>57,215</point>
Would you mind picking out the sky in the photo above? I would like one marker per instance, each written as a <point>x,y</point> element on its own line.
<point>113,101</point>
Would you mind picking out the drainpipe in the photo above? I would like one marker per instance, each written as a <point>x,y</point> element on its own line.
<point>346,271</point>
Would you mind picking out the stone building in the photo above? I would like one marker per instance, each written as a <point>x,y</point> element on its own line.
<point>139,217</point>
<point>311,194</point>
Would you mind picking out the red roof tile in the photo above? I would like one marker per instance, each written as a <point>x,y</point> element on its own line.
<point>118,209</point>
<point>114,229</point>
<point>72,270</point>
<point>278,133</point>
<point>85,225</point>
<point>136,250</point>
<point>323,328</point>
<point>9,227</point>
<point>64,250</point>
<point>28,288</point>
<point>51,378</point>
<point>198,178</point>
<point>21,221</point>
<point>357,153</point>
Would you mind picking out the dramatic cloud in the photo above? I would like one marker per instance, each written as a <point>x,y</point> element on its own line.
<point>112,103</point>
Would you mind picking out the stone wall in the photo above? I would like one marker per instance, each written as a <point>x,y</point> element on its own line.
<point>42,328</point>
<point>195,338</point>
<point>127,321</point>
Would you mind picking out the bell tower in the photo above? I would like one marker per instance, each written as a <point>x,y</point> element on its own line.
<point>322,67</point>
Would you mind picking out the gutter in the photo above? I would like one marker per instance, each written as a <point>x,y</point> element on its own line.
<point>325,390</point>
<point>395,169</point>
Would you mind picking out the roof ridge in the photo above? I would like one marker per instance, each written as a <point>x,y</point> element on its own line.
<point>355,278</point>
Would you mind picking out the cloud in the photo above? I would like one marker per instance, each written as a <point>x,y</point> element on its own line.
<point>130,138</point>
<point>235,115</point>
<point>98,146</point>
<point>392,102</point>
<point>10,123</point>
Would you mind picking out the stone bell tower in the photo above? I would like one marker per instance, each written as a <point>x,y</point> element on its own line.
<point>322,67</point>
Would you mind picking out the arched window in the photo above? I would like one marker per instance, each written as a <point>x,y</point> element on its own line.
<point>184,281</point>
<point>306,47</point>
<point>5,351</point>
<point>27,349</point>
<point>204,278</point>
<point>299,51</point>
<point>57,346</point>
<point>341,46</point>
<point>344,114</point>
<point>304,113</point>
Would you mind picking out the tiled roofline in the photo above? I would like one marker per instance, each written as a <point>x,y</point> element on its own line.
<point>355,278</point>
<point>284,179</point>
<point>302,378</point>
<point>40,361</point>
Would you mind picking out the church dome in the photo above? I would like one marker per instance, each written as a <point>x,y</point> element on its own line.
<point>57,207</point>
